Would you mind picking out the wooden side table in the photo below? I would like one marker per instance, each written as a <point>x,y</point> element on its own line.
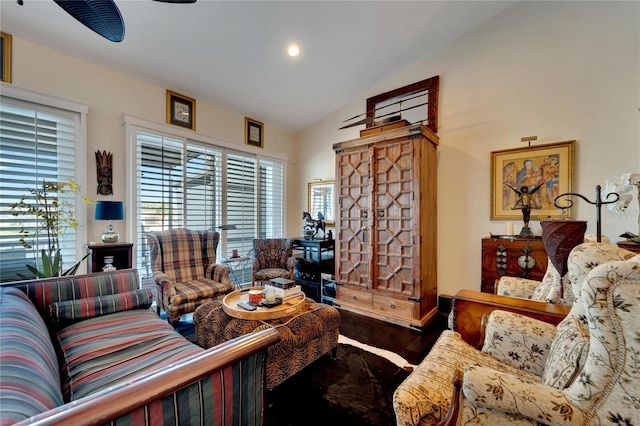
<point>511,256</point>
<point>237,265</point>
<point>121,252</point>
<point>629,245</point>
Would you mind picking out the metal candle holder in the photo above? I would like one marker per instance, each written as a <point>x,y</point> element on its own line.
<point>598,203</point>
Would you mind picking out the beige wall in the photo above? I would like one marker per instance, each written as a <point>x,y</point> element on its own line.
<point>558,70</point>
<point>109,95</point>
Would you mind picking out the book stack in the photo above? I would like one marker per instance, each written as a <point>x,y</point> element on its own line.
<point>284,288</point>
<point>283,283</point>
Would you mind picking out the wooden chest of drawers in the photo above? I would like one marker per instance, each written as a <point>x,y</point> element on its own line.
<point>512,256</point>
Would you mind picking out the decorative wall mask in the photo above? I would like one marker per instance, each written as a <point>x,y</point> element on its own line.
<point>104,172</point>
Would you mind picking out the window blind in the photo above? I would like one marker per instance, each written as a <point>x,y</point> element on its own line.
<point>37,143</point>
<point>241,207</point>
<point>271,199</point>
<point>187,183</point>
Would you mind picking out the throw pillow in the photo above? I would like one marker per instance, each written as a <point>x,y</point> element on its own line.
<point>80,309</point>
<point>567,355</point>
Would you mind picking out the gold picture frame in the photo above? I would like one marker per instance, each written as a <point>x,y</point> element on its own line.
<point>320,199</point>
<point>253,132</point>
<point>5,56</point>
<point>181,110</point>
<point>546,169</point>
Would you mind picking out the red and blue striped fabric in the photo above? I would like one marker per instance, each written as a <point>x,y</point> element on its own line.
<point>230,397</point>
<point>29,378</point>
<point>51,290</point>
<point>103,351</point>
<point>79,309</point>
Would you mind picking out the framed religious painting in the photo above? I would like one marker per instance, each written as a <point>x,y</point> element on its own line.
<point>181,110</point>
<point>253,133</point>
<point>543,172</point>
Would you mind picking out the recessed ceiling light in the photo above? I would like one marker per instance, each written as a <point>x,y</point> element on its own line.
<point>293,50</point>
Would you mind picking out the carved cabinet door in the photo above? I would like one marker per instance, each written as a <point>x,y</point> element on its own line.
<point>353,257</point>
<point>394,214</point>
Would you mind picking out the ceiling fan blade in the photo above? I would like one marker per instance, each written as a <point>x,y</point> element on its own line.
<point>101,16</point>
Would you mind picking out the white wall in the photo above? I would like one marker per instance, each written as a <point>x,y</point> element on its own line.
<point>109,95</point>
<point>558,70</point>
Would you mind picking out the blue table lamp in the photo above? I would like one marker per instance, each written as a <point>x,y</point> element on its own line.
<point>110,210</point>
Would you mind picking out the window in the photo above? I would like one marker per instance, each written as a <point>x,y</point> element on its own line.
<point>37,143</point>
<point>187,183</point>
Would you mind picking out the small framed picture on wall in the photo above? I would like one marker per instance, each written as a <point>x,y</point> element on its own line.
<point>253,133</point>
<point>5,57</point>
<point>181,110</point>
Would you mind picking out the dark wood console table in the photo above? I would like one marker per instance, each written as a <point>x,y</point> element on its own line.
<point>511,256</point>
<point>316,257</point>
<point>121,252</point>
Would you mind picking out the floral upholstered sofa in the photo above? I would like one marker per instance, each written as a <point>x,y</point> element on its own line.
<point>88,350</point>
<point>584,371</point>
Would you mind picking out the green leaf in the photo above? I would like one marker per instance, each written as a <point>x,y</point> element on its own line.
<point>74,268</point>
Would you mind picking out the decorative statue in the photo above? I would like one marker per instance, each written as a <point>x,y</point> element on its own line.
<point>313,225</point>
<point>526,202</point>
<point>104,172</point>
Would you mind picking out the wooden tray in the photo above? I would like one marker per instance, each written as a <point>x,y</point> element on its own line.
<point>288,308</point>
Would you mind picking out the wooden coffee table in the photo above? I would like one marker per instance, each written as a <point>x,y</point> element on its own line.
<point>288,308</point>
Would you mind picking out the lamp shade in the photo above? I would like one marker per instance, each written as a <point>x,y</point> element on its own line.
<point>109,210</point>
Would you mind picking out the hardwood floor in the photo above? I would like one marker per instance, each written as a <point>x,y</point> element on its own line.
<point>410,344</point>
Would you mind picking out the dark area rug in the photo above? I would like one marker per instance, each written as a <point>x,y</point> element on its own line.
<point>354,389</point>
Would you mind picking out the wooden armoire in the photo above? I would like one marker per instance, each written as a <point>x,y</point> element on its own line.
<point>386,224</point>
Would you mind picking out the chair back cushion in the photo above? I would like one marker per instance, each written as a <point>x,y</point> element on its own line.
<point>272,252</point>
<point>582,260</point>
<point>608,387</point>
<point>182,254</point>
<point>567,354</point>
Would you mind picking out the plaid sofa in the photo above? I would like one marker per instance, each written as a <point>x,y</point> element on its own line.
<point>87,349</point>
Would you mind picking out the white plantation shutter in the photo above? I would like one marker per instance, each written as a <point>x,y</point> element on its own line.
<point>271,199</point>
<point>37,143</point>
<point>186,183</point>
<point>204,187</point>
<point>241,202</point>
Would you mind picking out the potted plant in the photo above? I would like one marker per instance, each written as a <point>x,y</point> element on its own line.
<point>53,215</point>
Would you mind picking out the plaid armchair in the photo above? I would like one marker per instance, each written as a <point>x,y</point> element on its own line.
<point>184,267</point>
<point>272,258</point>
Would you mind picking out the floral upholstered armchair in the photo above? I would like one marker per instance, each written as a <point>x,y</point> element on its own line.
<point>272,258</point>
<point>582,371</point>
<point>184,267</point>
<point>553,288</point>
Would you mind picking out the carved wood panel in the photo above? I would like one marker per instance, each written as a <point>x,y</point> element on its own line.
<point>354,255</point>
<point>393,194</point>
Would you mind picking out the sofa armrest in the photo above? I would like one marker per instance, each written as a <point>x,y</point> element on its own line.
<point>151,391</point>
<point>516,287</point>
<point>470,306</point>
<point>490,389</point>
<point>219,273</point>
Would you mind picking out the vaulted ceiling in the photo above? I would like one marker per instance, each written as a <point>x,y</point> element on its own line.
<point>234,54</point>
